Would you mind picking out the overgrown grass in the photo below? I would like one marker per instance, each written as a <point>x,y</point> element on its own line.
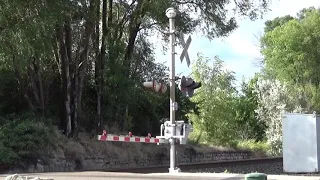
<point>260,146</point>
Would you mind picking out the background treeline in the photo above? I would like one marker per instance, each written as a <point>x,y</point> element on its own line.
<point>82,63</point>
<point>288,81</point>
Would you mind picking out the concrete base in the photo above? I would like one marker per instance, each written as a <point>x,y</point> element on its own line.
<point>175,170</point>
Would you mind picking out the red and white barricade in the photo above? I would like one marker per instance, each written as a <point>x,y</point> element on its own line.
<point>130,138</point>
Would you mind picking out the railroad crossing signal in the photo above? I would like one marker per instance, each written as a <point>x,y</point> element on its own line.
<point>185,46</point>
<point>155,86</point>
<point>188,85</point>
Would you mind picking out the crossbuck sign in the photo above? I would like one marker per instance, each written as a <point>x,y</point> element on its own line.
<point>185,46</point>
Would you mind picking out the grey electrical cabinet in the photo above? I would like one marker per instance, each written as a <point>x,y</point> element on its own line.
<point>301,136</point>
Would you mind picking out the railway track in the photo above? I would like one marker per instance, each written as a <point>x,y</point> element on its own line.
<point>193,166</point>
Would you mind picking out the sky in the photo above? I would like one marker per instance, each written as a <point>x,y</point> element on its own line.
<point>240,50</point>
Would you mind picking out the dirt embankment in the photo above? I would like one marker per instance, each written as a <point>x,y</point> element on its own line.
<point>87,153</point>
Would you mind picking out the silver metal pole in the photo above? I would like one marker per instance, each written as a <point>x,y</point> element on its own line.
<point>171,13</point>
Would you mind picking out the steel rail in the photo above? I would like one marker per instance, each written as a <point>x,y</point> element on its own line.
<point>193,166</point>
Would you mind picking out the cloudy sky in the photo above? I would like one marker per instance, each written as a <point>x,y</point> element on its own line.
<point>240,50</point>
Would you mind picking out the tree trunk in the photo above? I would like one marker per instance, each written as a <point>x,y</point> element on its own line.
<point>130,47</point>
<point>73,67</point>
<point>134,26</point>
<point>20,84</point>
<point>101,66</point>
<point>98,66</point>
<point>36,68</point>
<point>83,61</point>
<point>101,60</point>
<point>42,98</point>
<point>66,81</point>
<point>34,87</point>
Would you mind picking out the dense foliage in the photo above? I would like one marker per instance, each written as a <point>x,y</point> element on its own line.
<point>81,64</point>
<point>289,81</point>
<point>290,49</point>
<point>22,138</point>
<point>226,116</point>
<point>215,101</point>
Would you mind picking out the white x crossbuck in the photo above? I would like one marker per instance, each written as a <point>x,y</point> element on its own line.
<point>185,46</point>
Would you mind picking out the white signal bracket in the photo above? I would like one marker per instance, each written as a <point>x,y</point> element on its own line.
<point>182,131</point>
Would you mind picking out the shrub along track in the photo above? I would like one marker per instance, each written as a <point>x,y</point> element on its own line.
<point>207,165</point>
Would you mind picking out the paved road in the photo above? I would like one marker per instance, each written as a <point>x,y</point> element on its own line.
<point>124,176</point>
<point>127,176</point>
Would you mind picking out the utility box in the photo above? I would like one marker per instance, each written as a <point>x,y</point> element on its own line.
<point>301,142</point>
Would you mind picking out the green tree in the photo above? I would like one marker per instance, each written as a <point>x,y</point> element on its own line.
<point>215,100</point>
<point>290,50</point>
<point>270,25</point>
<point>291,55</point>
<point>246,117</point>
<point>273,99</point>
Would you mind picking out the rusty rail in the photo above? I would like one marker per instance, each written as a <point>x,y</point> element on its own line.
<point>193,166</point>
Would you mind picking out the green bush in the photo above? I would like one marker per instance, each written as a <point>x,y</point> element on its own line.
<point>21,138</point>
